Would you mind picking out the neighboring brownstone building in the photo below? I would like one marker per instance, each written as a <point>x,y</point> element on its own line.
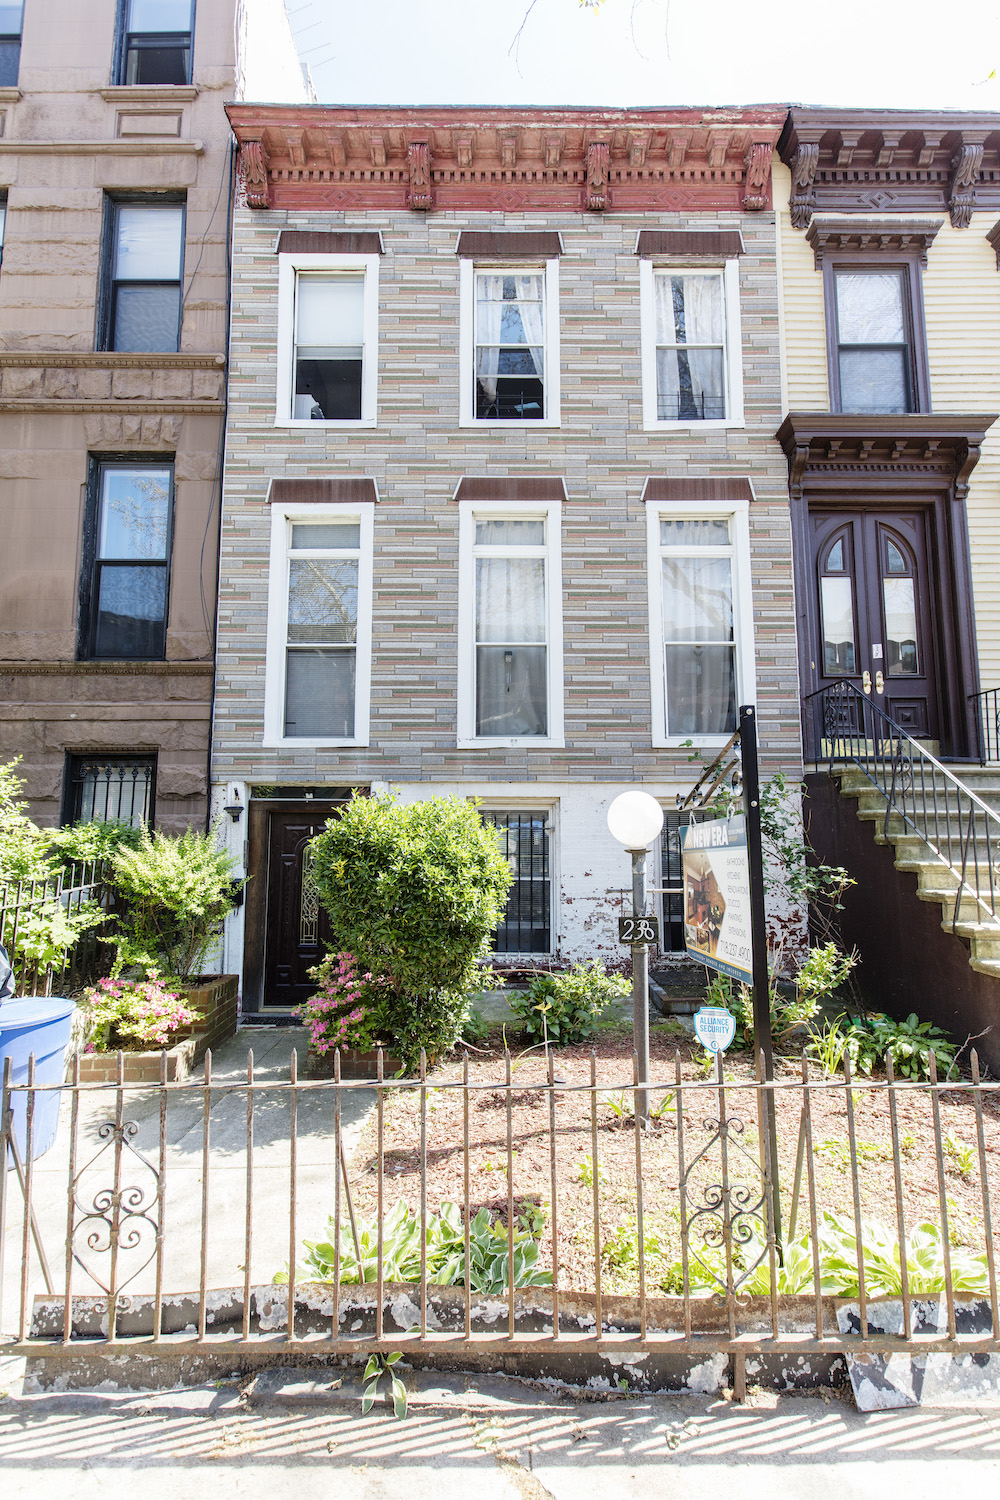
<point>115,173</point>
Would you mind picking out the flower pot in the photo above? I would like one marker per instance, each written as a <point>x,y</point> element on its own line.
<point>38,1026</point>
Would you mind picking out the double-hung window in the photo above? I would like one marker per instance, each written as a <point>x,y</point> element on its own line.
<point>527,923</point>
<point>155,41</point>
<point>126,581</point>
<point>510,344</point>
<point>10,44</point>
<point>319,625</point>
<point>510,640</point>
<point>691,345</point>
<point>874,365</point>
<point>700,620</point>
<point>145,251</point>
<point>327,340</point>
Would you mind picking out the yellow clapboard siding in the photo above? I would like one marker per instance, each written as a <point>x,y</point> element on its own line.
<point>962,309</point>
<point>803,320</point>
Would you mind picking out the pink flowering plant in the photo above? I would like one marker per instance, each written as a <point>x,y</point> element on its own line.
<point>133,1014</point>
<point>344,1010</point>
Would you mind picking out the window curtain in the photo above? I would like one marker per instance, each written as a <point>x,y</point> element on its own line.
<point>698,644</point>
<point>511,695</point>
<point>500,323</point>
<point>690,381</point>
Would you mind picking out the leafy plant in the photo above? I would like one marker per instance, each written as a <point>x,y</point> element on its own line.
<point>489,1270</point>
<point>44,937</point>
<point>620,1250</point>
<point>829,1046</point>
<point>133,1014</point>
<point>866,1152</point>
<point>823,972</point>
<point>622,1104</point>
<point>415,892</point>
<point>563,1008</point>
<point>377,1366</point>
<point>92,843</point>
<point>23,845</point>
<point>909,1043</point>
<point>962,1157</point>
<point>176,892</point>
<point>585,1173</point>
<point>837,1247</point>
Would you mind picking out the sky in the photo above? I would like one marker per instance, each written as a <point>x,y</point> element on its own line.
<point>881,53</point>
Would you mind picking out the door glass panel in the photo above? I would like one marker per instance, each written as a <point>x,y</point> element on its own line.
<point>835,557</point>
<point>895,561</point>
<point>900,627</point>
<point>839,653</point>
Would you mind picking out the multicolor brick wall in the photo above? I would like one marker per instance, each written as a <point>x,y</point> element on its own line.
<point>417,453</point>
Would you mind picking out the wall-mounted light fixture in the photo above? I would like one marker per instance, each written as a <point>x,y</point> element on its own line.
<point>235,808</point>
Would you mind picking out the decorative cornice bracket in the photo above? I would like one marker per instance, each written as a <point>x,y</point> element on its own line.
<point>253,167</point>
<point>598,169</point>
<point>803,196</point>
<point>966,165</point>
<point>418,160</point>
<point>756,170</point>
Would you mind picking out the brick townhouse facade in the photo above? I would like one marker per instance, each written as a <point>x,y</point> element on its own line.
<point>504,514</point>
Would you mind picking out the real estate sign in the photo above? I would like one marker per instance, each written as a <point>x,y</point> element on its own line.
<point>717,896</point>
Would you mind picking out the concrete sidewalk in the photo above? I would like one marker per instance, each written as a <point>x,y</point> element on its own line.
<point>279,1437</point>
<point>226,1238</point>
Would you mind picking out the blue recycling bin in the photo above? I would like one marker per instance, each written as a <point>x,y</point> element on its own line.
<point>39,1025</point>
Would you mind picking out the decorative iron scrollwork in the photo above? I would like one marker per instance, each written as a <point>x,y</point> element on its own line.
<point>117,1221</point>
<point>732,1216</point>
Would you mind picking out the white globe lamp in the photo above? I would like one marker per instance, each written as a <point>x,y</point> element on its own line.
<point>635,819</point>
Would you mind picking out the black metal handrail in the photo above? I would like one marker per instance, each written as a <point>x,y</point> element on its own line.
<point>988,721</point>
<point>955,824</point>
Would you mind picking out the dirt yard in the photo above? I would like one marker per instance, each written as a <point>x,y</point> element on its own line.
<point>568,1205</point>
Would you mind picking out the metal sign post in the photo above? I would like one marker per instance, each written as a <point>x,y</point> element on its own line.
<point>758,944</point>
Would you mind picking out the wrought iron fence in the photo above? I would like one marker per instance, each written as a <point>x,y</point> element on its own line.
<point>987,708</point>
<point>156,1199</point>
<point>920,793</point>
<point>26,911</point>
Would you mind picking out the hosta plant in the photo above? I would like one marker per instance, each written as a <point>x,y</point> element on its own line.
<point>489,1262</point>
<point>908,1043</point>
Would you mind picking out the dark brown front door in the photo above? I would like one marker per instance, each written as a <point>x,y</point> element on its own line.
<point>297,927</point>
<point>872,617</point>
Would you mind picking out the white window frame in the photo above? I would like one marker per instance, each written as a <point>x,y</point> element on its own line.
<point>737,512</point>
<point>288,268</point>
<point>506,510</point>
<point>467,341</point>
<point>733,353</point>
<point>282,518</point>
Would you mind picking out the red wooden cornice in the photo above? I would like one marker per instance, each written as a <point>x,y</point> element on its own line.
<point>506,160</point>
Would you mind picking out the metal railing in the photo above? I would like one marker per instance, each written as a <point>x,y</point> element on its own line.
<point>843,725</point>
<point>987,710</point>
<point>24,909</point>
<point>169,1193</point>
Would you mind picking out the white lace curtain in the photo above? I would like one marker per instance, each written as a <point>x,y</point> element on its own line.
<point>501,323</point>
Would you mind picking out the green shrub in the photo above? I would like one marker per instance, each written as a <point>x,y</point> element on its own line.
<point>825,969</point>
<point>23,851</point>
<point>90,843</point>
<point>414,891</point>
<point>176,892</point>
<point>563,1008</point>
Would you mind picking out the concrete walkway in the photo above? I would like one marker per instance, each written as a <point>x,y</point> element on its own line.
<point>498,1439</point>
<point>184,1138</point>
